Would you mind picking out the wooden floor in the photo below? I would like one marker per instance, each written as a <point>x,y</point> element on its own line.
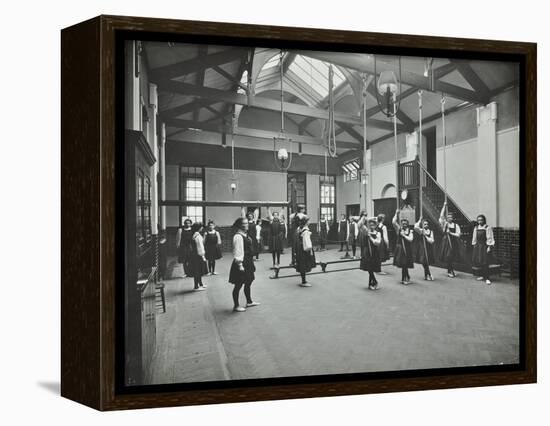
<point>336,326</point>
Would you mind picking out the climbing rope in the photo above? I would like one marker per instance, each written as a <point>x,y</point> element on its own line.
<point>331,141</point>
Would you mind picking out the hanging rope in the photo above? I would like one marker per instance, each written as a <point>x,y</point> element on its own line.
<point>282,135</point>
<point>365,141</point>
<point>233,147</point>
<point>331,142</point>
<point>396,157</point>
<point>444,148</point>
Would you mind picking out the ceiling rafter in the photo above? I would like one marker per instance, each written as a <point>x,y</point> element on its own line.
<point>359,63</point>
<point>203,51</point>
<point>249,132</point>
<point>190,66</point>
<point>472,78</point>
<point>268,104</point>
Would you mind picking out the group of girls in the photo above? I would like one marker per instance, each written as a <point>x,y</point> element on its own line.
<point>482,241</point>
<point>198,250</point>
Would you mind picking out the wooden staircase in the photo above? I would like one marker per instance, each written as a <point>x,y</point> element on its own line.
<point>412,175</point>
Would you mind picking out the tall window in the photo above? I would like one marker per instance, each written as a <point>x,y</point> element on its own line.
<point>351,170</point>
<point>296,189</point>
<point>192,189</point>
<point>328,197</point>
<point>143,207</point>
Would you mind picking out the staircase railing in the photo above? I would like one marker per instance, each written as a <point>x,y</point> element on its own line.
<point>434,193</point>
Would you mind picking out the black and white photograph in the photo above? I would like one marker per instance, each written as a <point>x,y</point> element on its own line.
<point>299,213</point>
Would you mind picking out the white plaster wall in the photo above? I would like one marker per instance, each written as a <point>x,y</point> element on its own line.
<point>508,177</point>
<point>172,193</point>
<point>462,174</point>
<point>251,186</point>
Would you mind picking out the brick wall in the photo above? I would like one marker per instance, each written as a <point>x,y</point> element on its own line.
<point>507,248</point>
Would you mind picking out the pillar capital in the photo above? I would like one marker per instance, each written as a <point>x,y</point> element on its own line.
<point>487,113</point>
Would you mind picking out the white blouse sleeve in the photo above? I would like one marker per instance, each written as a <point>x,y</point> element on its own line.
<point>238,248</point>
<point>306,238</point>
<point>200,245</point>
<point>219,238</point>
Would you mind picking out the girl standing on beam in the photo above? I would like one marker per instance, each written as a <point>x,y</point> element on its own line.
<point>343,232</point>
<point>403,247</point>
<point>242,269</point>
<point>450,252</point>
<point>425,257</point>
<point>303,249</point>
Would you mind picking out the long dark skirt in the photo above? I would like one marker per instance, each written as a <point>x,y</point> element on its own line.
<point>480,257</point>
<point>383,251</point>
<point>197,266</point>
<point>450,249</point>
<point>425,252</point>
<point>403,254</point>
<point>276,244</point>
<point>237,276</point>
<point>370,259</point>
<point>304,260</point>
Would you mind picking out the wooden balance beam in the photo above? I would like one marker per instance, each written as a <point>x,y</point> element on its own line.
<point>323,266</point>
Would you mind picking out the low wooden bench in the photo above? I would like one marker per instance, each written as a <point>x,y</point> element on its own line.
<point>323,266</point>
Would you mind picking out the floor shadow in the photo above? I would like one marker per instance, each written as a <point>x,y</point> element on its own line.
<point>52,387</point>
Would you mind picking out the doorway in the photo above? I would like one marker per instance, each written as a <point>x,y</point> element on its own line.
<point>431,151</point>
<point>352,210</point>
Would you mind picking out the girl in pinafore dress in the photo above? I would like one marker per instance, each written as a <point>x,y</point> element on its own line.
<point>242,268</point>
<point>384,247</point>
<point>213,247</point>
<point>450,246</point>
<point>483,241</point>
<point>304,254</point>
<point>197,259</point>
<point>323,232</point>
<point>425,246</point>
<point>370,239</point>
<point>403,257</point>
<point>184,239</point>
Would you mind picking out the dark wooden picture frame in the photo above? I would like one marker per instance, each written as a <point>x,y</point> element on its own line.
<point>90,189</point>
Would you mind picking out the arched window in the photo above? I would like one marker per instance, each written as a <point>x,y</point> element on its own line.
<point>388,191</point>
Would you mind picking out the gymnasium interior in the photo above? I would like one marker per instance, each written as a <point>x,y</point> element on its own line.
<point>214,131</point>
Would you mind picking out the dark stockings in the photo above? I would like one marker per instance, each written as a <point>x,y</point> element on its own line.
<point>237,290</point>
<point>353,249</point>
<point>450,268</point>
<point>276,257</point>
<point>198,281</point>
<point>427,272</point>
<point>303,274</point>
<point>372,279</point>
<point>211,266</point>
<point>405,274</point>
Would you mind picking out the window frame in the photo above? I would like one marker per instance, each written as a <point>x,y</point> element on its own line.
<point>183,178</point>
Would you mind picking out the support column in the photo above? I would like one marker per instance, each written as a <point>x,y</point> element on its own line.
<point>487,162</point>
<point>411,143</point>
<point>162,172</point>
<point>153,140</point>
<point>132,105</point>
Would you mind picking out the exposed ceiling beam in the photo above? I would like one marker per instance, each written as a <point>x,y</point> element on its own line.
<point>267,104</point>
<point>252,133</point>
<point>348,128</point>
<point>203,51</point>
<point>229,77</point>
<point>188,107</point>
<point>365,63</point>
<point>287,61</point>
<point>193,65</point>
<point>472,78</point>
<point>404,118</point>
